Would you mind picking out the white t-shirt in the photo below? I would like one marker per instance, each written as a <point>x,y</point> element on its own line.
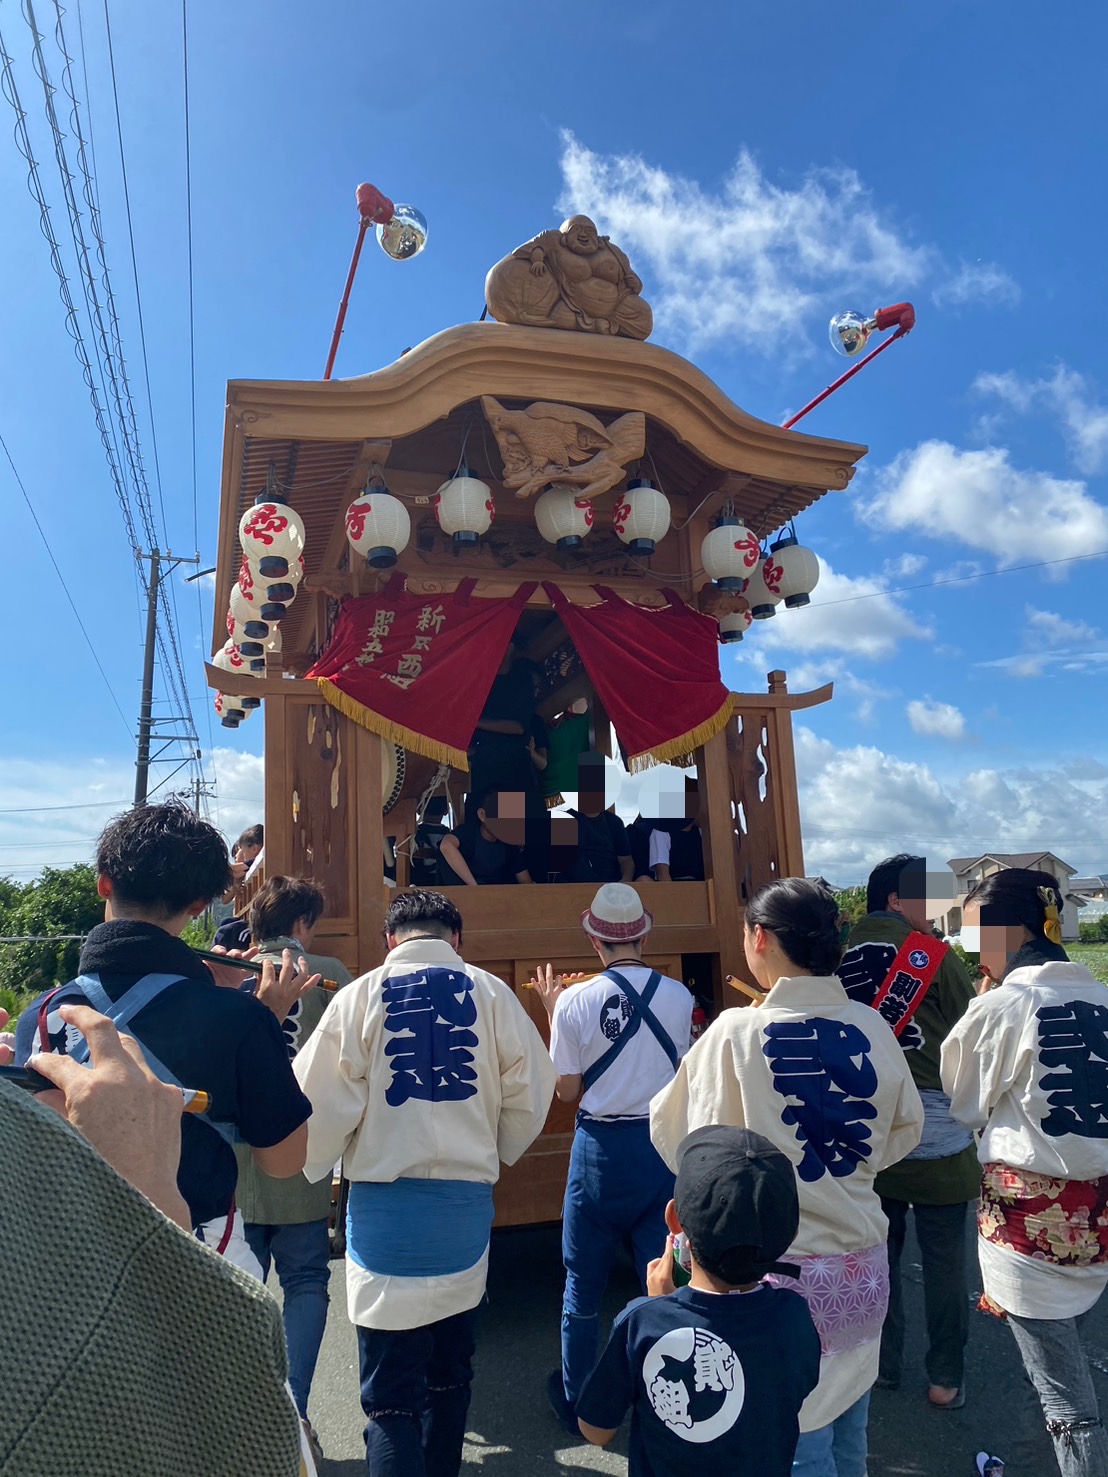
<point>590,1017</point>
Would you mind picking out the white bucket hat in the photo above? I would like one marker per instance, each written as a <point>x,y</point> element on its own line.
<point>617,915</point>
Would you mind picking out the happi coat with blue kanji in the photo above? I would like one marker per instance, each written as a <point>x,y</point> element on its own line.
<point>424,1076</point>
<point>1028,1066</point>
<point>826,1081</point>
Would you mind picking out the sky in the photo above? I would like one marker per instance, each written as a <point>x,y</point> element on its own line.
<point>763,166</point>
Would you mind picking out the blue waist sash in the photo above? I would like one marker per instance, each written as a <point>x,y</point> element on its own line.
<point>418,1228</point>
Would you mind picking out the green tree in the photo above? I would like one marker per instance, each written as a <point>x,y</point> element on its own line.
<point>62,901</point>
<point>852,900</point>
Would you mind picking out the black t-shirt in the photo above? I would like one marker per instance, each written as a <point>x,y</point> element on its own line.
<point>601,841</point>
<point>489,861</point>
<point>222,1041</point>
<point>714,1381</point>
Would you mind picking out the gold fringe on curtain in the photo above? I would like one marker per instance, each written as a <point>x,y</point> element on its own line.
<point>679,749</point>
<point>396,733</point>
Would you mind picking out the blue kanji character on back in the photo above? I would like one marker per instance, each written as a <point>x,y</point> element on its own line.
<point>1073,1043</point>
<point>428,1014</point>
<point>824,1066</point>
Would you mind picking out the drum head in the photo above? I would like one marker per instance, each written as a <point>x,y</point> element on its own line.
<point>393,760</point>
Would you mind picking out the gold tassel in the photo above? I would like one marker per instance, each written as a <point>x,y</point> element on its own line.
<point>394,732</point>
<point>679,750</point>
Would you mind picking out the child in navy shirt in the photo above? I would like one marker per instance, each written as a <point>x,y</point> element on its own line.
<point>714,1373</point>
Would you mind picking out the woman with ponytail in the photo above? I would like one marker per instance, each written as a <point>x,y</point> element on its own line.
<point>1027,1066</point>
<point>825,1080</point>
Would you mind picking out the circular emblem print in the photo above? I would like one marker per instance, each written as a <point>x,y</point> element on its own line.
<point>917,959</point>
<point>695,1384</point>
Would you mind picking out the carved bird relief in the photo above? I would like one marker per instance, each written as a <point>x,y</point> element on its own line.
<point>560,443</point>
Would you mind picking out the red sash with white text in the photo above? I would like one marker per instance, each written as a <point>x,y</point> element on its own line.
<point>909,979</point>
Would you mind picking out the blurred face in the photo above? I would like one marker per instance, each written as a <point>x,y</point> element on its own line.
<point>590,788</point>
<point>509,824</point>
<point>996,943</point>
<point>924,896</point>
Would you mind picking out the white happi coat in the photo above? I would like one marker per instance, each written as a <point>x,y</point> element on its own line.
<point>372,1109</point>
<point>838,1128</point>
<point>1028,1065</point>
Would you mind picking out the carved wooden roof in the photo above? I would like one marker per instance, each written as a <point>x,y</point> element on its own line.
<point>320,435</point>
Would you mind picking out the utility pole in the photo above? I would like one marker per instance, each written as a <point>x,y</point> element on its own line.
<point>160,566</point>
<point>142,761</point>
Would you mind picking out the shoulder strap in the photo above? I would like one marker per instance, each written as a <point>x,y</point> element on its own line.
<point>641,1013</point>
<point>122,1012</point>
<point>909,978</point>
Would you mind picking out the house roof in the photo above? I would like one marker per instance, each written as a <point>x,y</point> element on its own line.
<point>1088,884</point>
<point>960,864</point>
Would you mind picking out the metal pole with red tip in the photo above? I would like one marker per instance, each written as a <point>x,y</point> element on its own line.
<point>901,316</point>
<point>374,209</point>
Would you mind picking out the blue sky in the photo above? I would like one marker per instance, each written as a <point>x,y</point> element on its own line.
<point>764,166</point>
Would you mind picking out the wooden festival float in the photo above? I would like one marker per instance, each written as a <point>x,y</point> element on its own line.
<point>571,426</point>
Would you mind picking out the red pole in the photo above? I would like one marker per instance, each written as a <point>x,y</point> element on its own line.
<point>363,226</point>
<point>851,372</point>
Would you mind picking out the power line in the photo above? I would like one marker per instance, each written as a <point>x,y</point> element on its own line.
<point>65,587</point>
<point>960,579</point>
<point>79,805</point>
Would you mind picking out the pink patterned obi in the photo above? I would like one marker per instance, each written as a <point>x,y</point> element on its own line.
<point>847,1296</point>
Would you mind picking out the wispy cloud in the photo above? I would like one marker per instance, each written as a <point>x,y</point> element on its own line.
<point>748,263</point>
<point>977,284</point>
<point>1055,629</point>
<point>1065,395</point>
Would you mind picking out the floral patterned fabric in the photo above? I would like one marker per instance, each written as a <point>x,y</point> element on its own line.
<point>1050,1220</point>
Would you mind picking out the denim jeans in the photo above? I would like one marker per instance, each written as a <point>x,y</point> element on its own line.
<point>415,1394</point>
<point>302,1255</point>
<point>618,1189</point>
<point>1056,1365</point>
<point>837,1450</point>
<point>941,1233</point>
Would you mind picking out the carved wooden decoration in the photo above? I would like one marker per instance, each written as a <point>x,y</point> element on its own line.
<point>570,278</point>
<point>559,443</point>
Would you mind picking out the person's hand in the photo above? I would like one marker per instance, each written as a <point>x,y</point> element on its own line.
<point>226,975</point>
<point>986,980</point>
<point>548,987</point>
<point>7,1041</point>
<point>659,1273</point>
<point>280,992</point>
<point>238,872</point>
<point>130,1118</point>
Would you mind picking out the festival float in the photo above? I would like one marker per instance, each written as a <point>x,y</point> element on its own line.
<point>546,475</point>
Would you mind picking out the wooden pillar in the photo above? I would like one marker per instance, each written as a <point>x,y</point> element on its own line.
<point>715,788</point>
<point>790,844</point>
<point>368,826</point>
<point>278,800</point>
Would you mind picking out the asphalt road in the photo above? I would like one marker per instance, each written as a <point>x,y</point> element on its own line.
<point>512,1434</point>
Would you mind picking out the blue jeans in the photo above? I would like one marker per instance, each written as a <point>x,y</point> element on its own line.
<point>415,1395</point>
<point>302,1255</point>
<point>618,1189</point>
<point>1056,1365</point>
<point>837,1450</point>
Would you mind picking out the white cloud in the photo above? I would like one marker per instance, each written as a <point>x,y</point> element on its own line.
<point>938,720</point>
<point>850,615</point>
<point>750,263</point>
<point>978,284</point>
<point>1067,396</point>
<point>905,566</point>
<point>860,804</point>
<point>980,499</point>
<point>98,789</point>
<point>1055,629</point>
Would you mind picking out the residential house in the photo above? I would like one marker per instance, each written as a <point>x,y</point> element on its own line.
<point>1095,888</point>
<point>970,871</point>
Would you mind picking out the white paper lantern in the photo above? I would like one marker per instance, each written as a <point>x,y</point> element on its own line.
<point>271,529</point>
<point>734,627</point>
<point>272,591</point>
<point>244,662</point>
<point>729,554</point>
<point>763,594</point>
<point>641,517</point>
<point>562,517</point>
<point>244,618</point>
<point>230,713</point>
<point>464,508</point>
<point>800,571</point>
<point>378,527</point>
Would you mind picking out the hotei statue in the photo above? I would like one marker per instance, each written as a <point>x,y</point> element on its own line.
<point>569,278</point>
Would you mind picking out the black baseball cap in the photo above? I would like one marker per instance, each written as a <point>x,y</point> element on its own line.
<point>737,1202</point>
